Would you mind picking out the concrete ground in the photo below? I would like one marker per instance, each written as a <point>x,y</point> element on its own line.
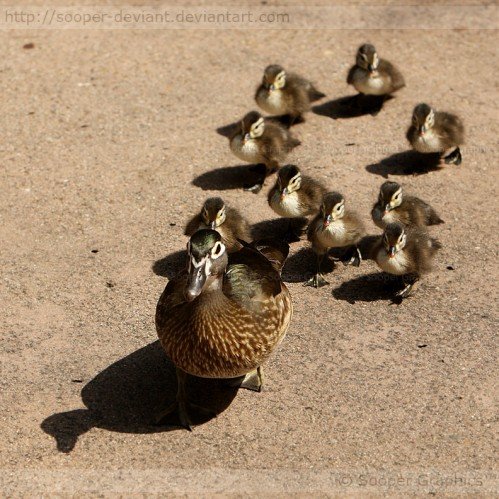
<point>109,145</point>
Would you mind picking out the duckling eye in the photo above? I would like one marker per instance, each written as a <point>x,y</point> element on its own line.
<point>217,250</point>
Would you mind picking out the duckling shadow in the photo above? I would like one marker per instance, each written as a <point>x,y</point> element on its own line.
<point>277,227</point>
<point>369,287</point>
<point>229,130</point>
<point>170,265</point>
<point>301,265</point>
<point>406,163</point>
<point>229,177</point>
<point>125,397</point>
<point>352,106</point>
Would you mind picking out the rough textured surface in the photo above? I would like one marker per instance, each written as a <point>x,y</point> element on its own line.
<point>109,145</point>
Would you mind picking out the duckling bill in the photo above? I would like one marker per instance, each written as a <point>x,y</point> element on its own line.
<point>224,315</point>
<point>262,141</point>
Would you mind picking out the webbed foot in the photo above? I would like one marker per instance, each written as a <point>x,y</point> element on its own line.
<point>316,281</point>
<point>252,381</point>
<point>255,189</point>
<point>454,158</point>
<point>405,292</point>
<point>352,257</point>
<point>182,410</point>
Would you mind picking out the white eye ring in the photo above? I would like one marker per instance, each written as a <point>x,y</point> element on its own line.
<point>217,250</point>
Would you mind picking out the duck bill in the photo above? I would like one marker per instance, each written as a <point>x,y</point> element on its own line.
<point>246,138</point>
<point>213,225</point>
<point>391,251</point>
<point>387,208</point>
<point>271,88</point>
<point>284,193</point>
<point>195,281</point>
<point>422,130</point>
<point>327,220</point>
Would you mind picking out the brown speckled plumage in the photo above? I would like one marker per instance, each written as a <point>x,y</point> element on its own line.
<point>231,328</point>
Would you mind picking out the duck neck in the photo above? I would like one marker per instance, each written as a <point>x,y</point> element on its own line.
<point>213,285</point>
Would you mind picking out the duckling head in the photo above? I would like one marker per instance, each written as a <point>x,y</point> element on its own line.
<point>274,77</point>
<point>390,196</point>
<point>288,180</point>
<point>207,260</point>
<point>367,57</point>
<point>214,212</point>
<point>423,118</point>
<point>333,207</point>
<point>252,126</point>
<point>394,238</point>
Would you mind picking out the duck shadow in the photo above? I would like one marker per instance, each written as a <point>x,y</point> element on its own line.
<point>229,177</point>
<point>170,265</point>
<point>125,397</point>
<point>406,163</point>
<point>352,106</point>
<point>368,288</point>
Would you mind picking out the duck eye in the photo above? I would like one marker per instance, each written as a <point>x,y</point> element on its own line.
<point>217,250</point>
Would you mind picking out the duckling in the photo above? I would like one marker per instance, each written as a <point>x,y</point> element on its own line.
<point>334,227</point>
<point>395,206</point>
<point>374,76</point>
<point>262,141</point>
<point>282,93</point>
<point>434,131</point>
<point>295,195</point>
<point>405,251</point>
<point>227,221</point>
<point>224,315</point>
